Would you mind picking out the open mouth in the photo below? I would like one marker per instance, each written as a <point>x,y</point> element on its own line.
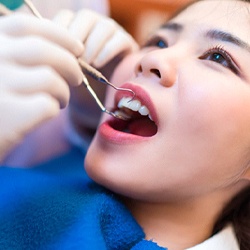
<point>138,120</point>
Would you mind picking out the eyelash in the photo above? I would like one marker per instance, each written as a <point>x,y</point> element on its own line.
<point>219,50</point>
<point>156,42</point>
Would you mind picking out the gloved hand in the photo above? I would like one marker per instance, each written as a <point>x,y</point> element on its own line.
<point>37,66</point>
<point>102,37</point>
<point>104,40</point>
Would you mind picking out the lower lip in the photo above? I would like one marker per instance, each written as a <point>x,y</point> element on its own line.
<point>106,132</point>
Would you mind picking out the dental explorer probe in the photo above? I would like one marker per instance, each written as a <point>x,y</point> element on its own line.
<point>33,9</point>
<point>97,75</point>
<point>99,103</point>
<point>86,68</point>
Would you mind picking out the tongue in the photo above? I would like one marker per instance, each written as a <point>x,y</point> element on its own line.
<point>143,127</point>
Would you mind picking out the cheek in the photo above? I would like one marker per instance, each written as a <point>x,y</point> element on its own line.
<point>214,117</point>
<point>211,103</point>
<point>126,69</point>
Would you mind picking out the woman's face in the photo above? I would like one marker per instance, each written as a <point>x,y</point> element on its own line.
<point>193,76</point>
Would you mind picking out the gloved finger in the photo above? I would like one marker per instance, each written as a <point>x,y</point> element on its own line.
<point>99,36</point>
<point>25,112</point>
<point>24,25</point>
<point>32,80</point>
<point>34,51</point>
<point>20,115</point>
<point>83,23</point>
<point>120,42</point>
<point>64,18</point>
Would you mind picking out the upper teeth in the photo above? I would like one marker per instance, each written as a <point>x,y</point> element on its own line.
<point>134,105</point>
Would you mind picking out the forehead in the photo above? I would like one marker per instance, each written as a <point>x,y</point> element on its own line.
<point>228,15</point>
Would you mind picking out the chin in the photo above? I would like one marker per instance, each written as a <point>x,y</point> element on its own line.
<point>98,165</point>
<point>104,172</point>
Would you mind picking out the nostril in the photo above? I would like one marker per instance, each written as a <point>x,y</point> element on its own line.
<point>139,68</point>
<point>156,72</point>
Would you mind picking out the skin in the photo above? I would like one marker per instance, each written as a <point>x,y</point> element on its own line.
<point>200,154</point>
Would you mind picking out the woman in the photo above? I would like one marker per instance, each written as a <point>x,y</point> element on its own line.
<point>183,167</point>
<point>179,164</point>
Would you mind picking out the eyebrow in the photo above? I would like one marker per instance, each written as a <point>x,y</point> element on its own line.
<point>212,34</point>
<point>172,26</point>
<point>227,37</point>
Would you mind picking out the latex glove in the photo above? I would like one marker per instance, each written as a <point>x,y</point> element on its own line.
<point>37,65</point>
<point>102,37</point>
<point>104,41</point>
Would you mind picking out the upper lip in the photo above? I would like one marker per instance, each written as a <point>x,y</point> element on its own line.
<point>141,95</point>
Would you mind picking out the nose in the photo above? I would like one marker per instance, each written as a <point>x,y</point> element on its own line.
<point>157,65</point>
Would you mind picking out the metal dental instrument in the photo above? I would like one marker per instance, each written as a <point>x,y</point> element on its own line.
<point>97,75</point>
<point>99,103</point>
<point>33,9</point>
<point>86,68</point>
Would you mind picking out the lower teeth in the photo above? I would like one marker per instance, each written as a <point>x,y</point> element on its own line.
<point>122,114</point>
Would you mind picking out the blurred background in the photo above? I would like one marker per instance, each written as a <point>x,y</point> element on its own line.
<point>140,17</point>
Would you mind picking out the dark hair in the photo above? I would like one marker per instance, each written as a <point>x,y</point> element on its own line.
<point>237,211</point>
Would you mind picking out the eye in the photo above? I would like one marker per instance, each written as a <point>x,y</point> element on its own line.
<point>156,42</point>
<point>220,56</point>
